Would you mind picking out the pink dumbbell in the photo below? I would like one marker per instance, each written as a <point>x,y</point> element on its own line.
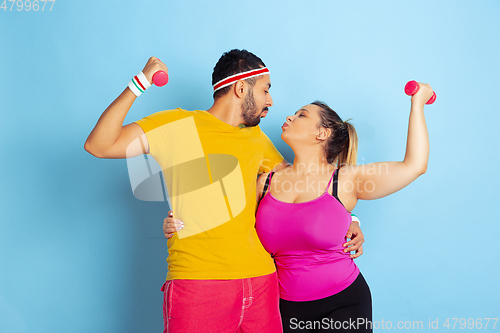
<point>412,88</point>
<point>160,78</point>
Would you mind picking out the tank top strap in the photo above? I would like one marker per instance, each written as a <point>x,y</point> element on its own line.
<point>268,182</point>
<point>335,178</point>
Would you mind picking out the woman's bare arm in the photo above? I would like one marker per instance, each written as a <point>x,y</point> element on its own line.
<point>377,180</point>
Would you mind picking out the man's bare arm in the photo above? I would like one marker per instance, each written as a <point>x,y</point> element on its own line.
<point>109,138</point>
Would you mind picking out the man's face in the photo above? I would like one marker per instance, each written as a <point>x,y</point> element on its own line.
<point>257,101</point>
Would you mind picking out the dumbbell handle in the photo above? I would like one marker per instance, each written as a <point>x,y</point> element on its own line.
<point>412,88</point>
<point>160,78</point>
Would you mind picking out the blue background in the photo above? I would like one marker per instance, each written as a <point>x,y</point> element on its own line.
<point>78,253</point>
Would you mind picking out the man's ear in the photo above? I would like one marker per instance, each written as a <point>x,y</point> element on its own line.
<point>239,88</point>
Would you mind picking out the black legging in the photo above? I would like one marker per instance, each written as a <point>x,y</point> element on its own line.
<point>347,311</point>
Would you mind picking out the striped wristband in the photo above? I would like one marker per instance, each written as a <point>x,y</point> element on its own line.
<point>139,84</point>
<point>355,218</point>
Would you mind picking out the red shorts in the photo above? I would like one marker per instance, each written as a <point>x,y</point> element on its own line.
<point>219,306</point>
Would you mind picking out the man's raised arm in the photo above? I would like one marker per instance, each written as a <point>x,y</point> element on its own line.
<point>109,138</point>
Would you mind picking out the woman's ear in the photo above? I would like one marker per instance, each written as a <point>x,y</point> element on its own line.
<point>323,134</point>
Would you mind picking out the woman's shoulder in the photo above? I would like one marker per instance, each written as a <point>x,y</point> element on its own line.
<point>347,172</point>
<point>285,171</point>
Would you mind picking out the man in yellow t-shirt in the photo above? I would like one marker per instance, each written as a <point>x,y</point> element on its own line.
<point>220,278</point>
<point>216,193</point>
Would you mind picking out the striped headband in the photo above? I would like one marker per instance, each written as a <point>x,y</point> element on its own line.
<point>240,76</point>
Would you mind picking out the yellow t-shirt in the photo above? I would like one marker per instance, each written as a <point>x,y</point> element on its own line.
<point>210,170</point>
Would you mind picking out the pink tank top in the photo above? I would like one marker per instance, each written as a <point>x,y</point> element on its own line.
<point>305,239</point>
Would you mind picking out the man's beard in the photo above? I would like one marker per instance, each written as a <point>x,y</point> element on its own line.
<point>249,111</point>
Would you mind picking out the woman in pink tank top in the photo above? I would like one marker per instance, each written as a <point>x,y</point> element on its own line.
<point>303,215</point>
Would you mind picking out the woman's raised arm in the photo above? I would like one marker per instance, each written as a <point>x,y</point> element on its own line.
<point>377,180</point>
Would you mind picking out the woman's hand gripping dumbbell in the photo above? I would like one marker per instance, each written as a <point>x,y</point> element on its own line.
<point>412,87</point>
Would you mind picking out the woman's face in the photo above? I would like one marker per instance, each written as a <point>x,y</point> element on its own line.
<point>302,126</point>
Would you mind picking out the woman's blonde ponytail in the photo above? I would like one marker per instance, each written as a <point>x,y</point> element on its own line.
<point>349,154</point>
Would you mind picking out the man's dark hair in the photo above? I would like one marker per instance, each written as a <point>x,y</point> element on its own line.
<point>234,62</point>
